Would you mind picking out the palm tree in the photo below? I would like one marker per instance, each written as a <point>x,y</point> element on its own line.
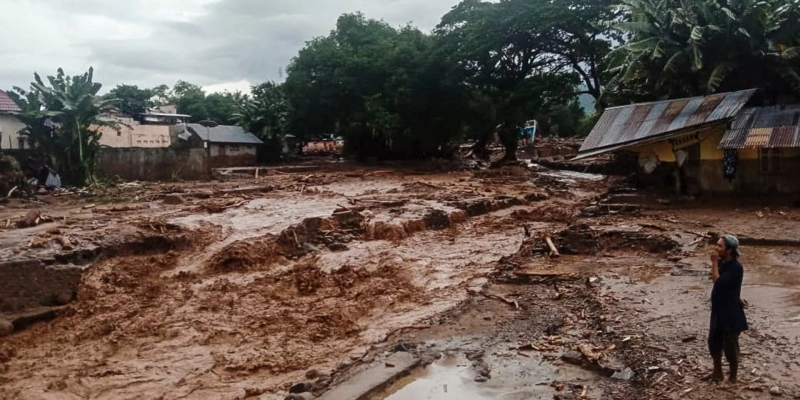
<point>62,118</point>
<point>692,47</point>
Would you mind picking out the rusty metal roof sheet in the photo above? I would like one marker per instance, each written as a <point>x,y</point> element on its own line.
<point>764,127</point>
<point>625,126</point>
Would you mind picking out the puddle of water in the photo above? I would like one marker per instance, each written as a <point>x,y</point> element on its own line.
<point>449,378</point>
<point>454,378</point>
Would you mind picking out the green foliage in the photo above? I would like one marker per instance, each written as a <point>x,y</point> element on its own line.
<point>62,119</point>
<point>265,114</point>
<point>500,44</point>
<point>190,99</point>
<point>528,59</point>
<point>681,48</point>
<point>222,107</point>
<point>387,91</point>
<point>131,100</point>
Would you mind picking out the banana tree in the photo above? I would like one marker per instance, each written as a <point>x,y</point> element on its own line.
<point>694,47</point>
<point>63,118</point>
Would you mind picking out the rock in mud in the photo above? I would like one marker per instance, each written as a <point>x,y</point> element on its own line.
<point>301,387</point>
<point>312,374</point>
<point>337,246</point>
<point>32,218</point>
<point>572,357</point>
<point>6,328</point>
<point>174,199</point>
<point>481,379</point>
<point>776,391</point>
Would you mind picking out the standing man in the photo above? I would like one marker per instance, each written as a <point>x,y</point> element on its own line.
<point>727,308</point>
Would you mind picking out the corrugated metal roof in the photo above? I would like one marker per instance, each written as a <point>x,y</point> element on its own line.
<point>224,134</point>
<point>628,125</point>
<point>6,104</point>
<point>764,127</point>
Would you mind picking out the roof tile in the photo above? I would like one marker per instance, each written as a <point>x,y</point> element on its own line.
<point>6,104</point>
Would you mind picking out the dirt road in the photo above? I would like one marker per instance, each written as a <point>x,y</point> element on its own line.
<point>235,289</point>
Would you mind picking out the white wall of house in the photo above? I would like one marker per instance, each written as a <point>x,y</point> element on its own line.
<point>131,133</point>
<point>9,126</point>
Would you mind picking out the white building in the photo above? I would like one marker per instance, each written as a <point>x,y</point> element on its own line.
<point>10,125</point>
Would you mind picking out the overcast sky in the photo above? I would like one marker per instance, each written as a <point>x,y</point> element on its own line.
<point>219,44</point>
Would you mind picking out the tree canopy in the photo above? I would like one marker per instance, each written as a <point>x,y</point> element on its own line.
<point>131,100</point>
<point>680,48</point>
<point>388,91</point>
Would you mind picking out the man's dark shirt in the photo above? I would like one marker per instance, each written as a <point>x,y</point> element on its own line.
<point>727,313</point>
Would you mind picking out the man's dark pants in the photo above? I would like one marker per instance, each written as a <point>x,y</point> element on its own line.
<point>720,342</point>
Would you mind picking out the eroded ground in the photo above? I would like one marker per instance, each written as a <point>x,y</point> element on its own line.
<point>235,289</point>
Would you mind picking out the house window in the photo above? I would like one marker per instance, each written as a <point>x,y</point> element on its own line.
<point>21,142</point>
<point>770,160</point>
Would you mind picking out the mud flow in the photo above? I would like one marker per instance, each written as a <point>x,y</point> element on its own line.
<point>521,282</point>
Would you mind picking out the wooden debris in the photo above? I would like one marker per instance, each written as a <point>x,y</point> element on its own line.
<point>503,299</point>
<point>588,353</point>
<point>552,246</point>
<point>64,242</point>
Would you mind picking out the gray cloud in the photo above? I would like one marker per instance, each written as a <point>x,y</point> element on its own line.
<point>207,42</point>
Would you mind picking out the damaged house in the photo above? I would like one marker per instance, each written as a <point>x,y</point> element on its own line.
<point>710,144</point>
<point>225,145</point>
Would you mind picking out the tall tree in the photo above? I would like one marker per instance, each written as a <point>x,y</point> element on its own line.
<point>525,59</point>
<point>503,43</point>
<point>222,107</point>
<point>387,91</point>
<point>265,114</point>
<point>62,118</point>
<point>190,99</point>
<point>131,100</point>
<point>680,48</point>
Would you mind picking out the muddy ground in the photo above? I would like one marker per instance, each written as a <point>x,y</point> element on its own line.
<point>235,289</point>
